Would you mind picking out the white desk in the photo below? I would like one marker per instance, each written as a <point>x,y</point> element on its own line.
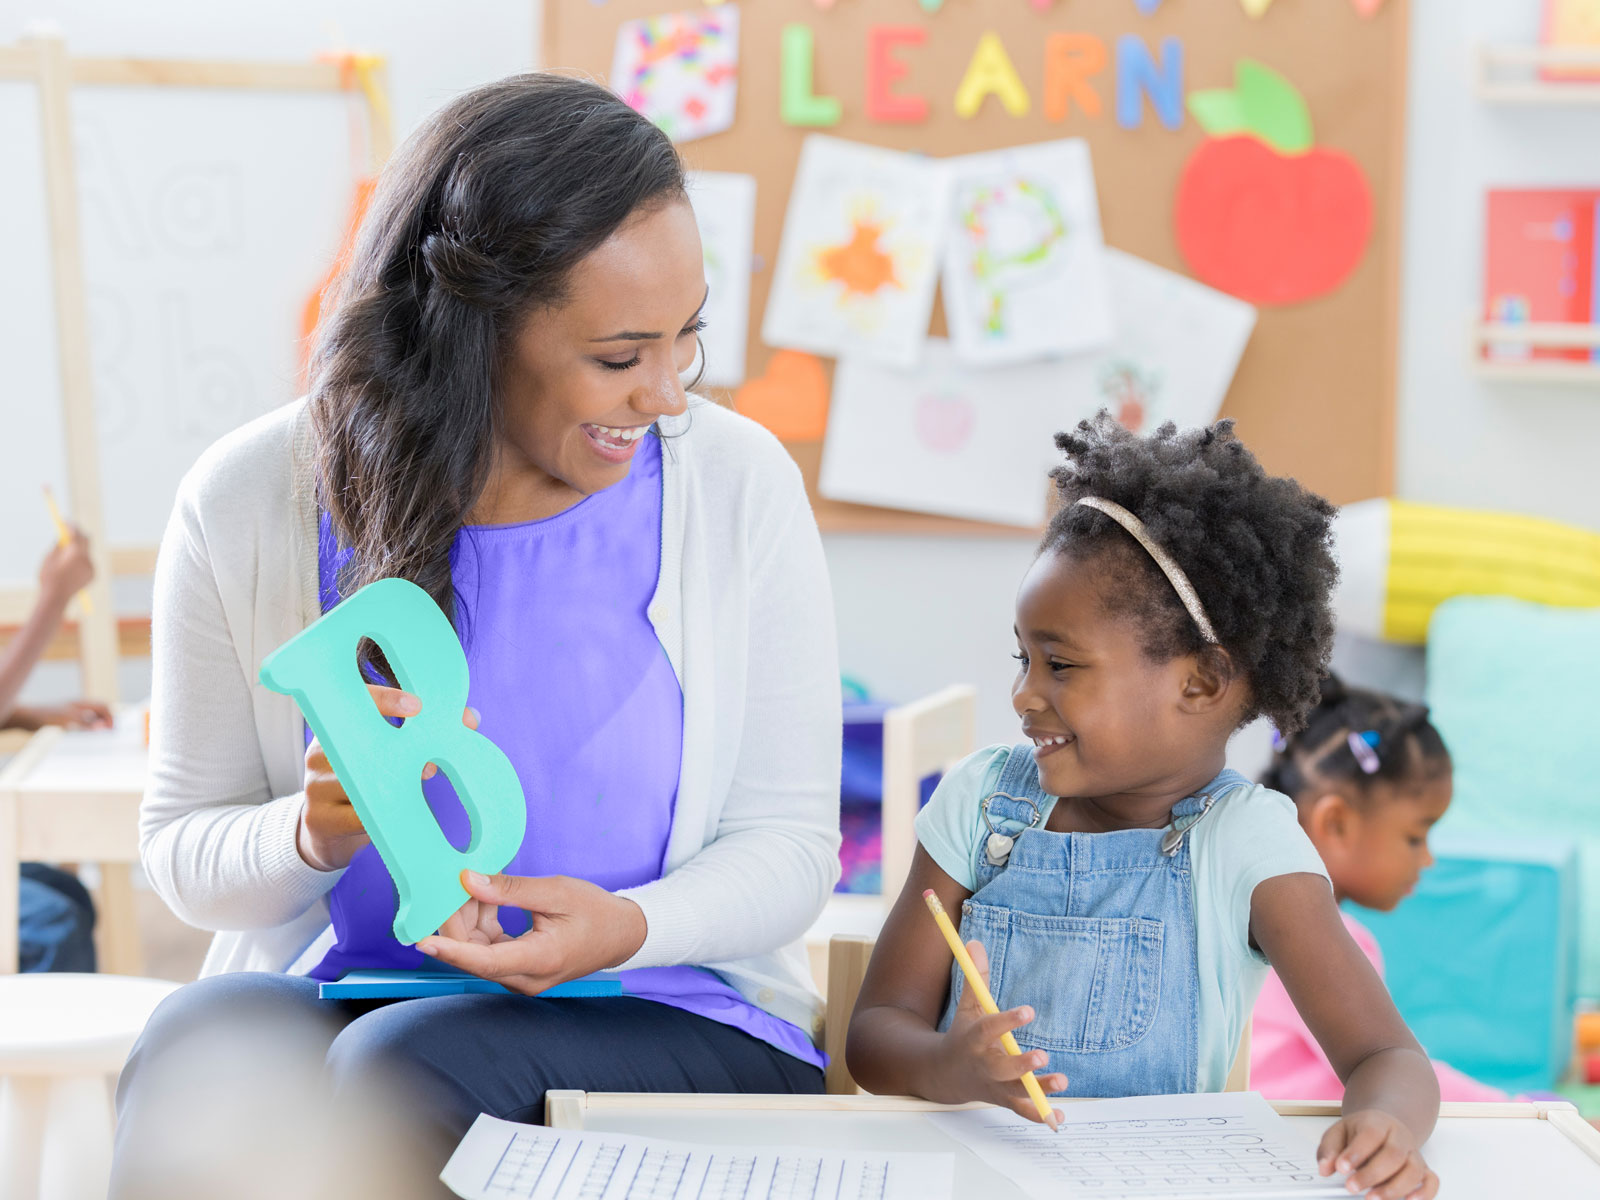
<point>1480,1151</point>
<point>73,796</point>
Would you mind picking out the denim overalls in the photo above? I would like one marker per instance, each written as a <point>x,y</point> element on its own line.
<point>1096,932</point>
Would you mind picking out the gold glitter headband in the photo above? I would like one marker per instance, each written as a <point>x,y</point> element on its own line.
<point>1174,573</point>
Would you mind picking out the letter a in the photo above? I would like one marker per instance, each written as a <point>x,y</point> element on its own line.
<point>991,73</point>
<point>380,765</point>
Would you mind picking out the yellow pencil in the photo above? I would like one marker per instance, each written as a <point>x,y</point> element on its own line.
<point>64,537</point>
<point>986,1001</point>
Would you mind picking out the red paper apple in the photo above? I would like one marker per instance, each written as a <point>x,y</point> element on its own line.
<point>1262,213</point>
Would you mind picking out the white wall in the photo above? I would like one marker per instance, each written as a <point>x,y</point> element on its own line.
<point>1464,440</point>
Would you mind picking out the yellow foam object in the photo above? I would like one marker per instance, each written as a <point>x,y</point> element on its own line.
<point>991,72</point>
<point>1436,553</point>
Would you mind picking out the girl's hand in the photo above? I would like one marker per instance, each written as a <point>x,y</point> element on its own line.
<point>577,929</point>
<point>1378,1155</point>
<point>975,1066</point>
<point>75,714</point>
<point>330,833</point>
<point>66,570</point>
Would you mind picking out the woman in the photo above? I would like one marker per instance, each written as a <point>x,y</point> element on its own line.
<point>498,415</point>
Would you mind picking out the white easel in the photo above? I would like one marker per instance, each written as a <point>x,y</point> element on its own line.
<point>44,62</point>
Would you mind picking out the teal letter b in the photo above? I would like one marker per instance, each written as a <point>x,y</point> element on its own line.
<point>380,765</point>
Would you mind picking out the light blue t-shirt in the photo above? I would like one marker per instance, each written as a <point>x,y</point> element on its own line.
<point>1250,835</point>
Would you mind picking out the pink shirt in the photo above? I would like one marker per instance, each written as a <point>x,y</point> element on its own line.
<point>1287,1064</point>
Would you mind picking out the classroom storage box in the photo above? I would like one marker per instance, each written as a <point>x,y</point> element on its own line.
<point>1482,958</point>
<point>861,796</point>
<point>1512,690</point>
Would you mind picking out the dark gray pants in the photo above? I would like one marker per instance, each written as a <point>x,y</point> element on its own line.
<point>437,1062</point>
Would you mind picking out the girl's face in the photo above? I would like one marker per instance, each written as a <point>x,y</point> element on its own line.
<point>587,377</point>
<point>1105,720</point>
<point>1376,850</point>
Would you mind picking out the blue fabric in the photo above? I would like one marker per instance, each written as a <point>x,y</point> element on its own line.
<point>56,924</point>
<point>1512,689</point>
<point>1097,933</point>
<point>1494,919</point>
<point>450,1057</point>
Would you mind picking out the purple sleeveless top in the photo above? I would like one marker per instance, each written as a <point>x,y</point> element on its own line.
<point>573,685</point>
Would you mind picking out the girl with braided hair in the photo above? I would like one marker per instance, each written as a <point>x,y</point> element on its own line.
<point>1370,776</point>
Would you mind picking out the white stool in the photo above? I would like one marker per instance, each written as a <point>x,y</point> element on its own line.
<point>62,1037</point>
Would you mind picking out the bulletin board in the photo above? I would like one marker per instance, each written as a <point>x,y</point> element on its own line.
<point>1314,394</point>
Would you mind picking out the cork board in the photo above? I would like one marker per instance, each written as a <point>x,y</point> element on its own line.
<point>1314,395</point>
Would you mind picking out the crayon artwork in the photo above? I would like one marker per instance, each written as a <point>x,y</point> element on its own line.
<point>681,70</point>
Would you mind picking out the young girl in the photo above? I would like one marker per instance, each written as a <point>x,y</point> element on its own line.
<point>1369,776</point>
<point>1123,891</point>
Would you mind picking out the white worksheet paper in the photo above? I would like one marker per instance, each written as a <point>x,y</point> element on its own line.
<point>859,258</point>
<point>1177,346</point>
<point>944,437</point>
<point>500,1159</point>
<point>725,209</point>
<point>1023,273</point>
<point>1192,1147</point>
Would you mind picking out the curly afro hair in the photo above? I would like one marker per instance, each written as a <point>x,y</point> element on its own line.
<point>1257,548</point>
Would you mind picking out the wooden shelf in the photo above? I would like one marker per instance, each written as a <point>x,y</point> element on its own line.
<point>1511,75</point>
<point>1547,336</point>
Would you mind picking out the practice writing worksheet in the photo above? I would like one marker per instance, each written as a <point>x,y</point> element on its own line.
<point>499,1160</point>
<point>1180,1147</point>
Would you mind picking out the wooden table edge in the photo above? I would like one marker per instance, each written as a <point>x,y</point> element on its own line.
<point>568,1109</point>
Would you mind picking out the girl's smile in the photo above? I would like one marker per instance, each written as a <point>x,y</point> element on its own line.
<point>1105,719</point>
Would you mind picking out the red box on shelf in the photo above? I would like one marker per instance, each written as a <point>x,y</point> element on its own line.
<point>1540,264</point>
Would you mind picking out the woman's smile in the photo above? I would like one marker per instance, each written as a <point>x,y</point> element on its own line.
<point>615,443</point>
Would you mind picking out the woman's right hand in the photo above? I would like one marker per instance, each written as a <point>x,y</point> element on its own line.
<point>973,1065</point>
<point>330,831</point>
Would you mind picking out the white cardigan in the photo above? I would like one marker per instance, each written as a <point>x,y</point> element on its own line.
<point>742,607</point>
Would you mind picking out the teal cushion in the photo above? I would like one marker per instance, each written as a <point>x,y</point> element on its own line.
<point>1492,920</point>
<point>1515,690</point>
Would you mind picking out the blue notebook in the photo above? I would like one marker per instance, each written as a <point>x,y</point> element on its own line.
<point>398,985</point>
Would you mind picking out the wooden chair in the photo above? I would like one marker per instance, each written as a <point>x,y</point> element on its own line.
<point>847,967</point>
<point>926,736</point>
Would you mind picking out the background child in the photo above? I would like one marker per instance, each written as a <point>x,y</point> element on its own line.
<point>1129,890</point>
<point>1370,776</point>
<point>56,923</point>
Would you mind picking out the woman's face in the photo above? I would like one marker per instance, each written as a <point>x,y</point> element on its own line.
<point>587,377</point>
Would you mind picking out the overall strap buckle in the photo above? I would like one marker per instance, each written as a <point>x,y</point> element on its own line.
<point>1173,838</point>
<point>997,846</point>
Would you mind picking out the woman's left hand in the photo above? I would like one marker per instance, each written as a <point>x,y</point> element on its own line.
<point>577,929</point>
<point>1378,1155</point>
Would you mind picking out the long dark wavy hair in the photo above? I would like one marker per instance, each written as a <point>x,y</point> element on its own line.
<point>475,225</point>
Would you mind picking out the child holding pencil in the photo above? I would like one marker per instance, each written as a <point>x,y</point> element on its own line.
<point>56,915</point>
<point>1122,892</point>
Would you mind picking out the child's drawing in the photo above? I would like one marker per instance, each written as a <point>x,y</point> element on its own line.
<point>1177,346</point>
<point>1023,276</point>
<point>856,268</point>
<point>1129,391</point>
<point>944,437</point>
<point>725,210</point>
<point>681,70</point>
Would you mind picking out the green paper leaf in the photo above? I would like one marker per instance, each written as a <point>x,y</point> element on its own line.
<point>1272,108</point>
<point>1217,111</point>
